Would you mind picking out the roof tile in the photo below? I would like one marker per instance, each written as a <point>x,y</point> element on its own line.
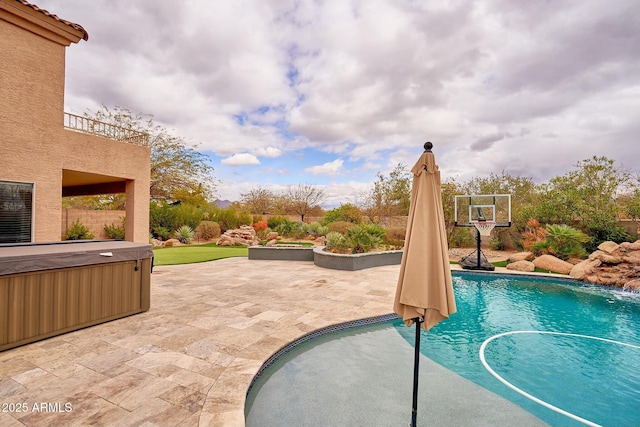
<point>85,35</point>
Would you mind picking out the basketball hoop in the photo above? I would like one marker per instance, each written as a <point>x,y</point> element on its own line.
<point>484,227</point>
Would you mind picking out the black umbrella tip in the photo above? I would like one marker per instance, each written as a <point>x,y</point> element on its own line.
<point>427,147</point>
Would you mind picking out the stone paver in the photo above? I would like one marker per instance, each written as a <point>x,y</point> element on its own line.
<point>189,360</point>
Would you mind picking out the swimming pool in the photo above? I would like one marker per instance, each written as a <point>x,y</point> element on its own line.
<point>569,354</point>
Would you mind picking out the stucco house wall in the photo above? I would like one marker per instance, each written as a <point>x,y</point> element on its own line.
<point>35,147</point>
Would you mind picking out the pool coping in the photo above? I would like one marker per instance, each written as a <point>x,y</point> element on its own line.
<point>320,332</point>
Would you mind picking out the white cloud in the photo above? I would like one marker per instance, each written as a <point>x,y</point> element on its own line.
<point>241,159</point>
<point>370,81</point>
<point>268,152</point>
<point>329,168</point>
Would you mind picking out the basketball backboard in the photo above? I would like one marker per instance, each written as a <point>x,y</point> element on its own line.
<point>472,208</point>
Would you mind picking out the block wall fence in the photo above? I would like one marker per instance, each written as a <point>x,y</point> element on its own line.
<point>94,220</point>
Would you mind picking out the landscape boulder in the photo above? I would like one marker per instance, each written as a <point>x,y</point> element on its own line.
<point>554,264</point>
<point>172,242</point>
<point>272,235</point>
<point>612,265</point>
<point>521,256</point>
<point>608,247</point>
<point>607,258</point>
<point>522,265</point>
<point>632,286</point>
<point>584,268</point>
<point>243,236</point>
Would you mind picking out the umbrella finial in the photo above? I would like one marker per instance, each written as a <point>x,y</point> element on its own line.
<point>427,147</point>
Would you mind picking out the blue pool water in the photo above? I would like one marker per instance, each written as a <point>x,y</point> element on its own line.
<point>567,353</point>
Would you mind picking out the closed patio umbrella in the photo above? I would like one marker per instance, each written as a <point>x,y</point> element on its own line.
<point>424,294</point>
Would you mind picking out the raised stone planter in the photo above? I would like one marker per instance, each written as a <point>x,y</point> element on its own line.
<point>355,262</point>
<point>281,253</point>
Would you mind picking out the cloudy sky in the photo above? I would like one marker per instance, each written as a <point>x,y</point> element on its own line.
<point>330,92</point>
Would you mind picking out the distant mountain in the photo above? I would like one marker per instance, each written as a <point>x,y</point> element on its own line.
<point>223,203</point>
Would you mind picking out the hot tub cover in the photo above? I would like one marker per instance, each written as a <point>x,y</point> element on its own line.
<point>23,258</point>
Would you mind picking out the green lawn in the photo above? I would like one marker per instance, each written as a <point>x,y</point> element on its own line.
<point>196,253</point>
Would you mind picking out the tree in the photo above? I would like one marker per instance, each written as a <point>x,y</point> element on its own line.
<point>631,202</point>
<point>304,197</point>
<point>586,198</point>
<point>390,195</point>
<point>177,170</point>
<point>258,200</point>
<point>346,212</point>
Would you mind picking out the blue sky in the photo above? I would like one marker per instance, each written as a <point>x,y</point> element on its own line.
<point>332,92</point>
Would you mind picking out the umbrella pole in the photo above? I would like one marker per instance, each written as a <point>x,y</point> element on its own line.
<point>416,371</point>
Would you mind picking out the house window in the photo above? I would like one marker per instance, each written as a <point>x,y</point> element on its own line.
<point>16,212</point>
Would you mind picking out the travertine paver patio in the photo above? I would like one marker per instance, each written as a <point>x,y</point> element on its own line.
<point>189,360</point>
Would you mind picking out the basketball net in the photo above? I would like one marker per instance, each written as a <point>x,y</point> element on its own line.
<point>484,227</point>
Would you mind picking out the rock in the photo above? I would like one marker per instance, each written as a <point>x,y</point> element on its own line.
<point>243,236</point>
<point>522,265</point>
<point>172,242</point>
<point>272,242</point>
<point>608,247</point>
<point>609,279</point>
<point>272,235</point>
<point>632,286</point>
<point>627,246</point>
<point>521,256</point>
<point>554,264</point>
<point>605,257</point>
<point>633,255</point>
<point>584,268</point>
<point>321,240</point>
<point>610,259</point>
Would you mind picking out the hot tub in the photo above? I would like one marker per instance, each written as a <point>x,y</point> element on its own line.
<point>48,289</point>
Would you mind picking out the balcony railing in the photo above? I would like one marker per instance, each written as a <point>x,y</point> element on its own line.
<point>95,127</point>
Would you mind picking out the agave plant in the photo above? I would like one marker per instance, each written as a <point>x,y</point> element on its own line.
<point>336,242</point>
<point>184,234</point>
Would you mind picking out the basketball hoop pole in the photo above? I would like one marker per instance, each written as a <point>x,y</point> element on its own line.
<point>478,246</point>
<point>483,228</point>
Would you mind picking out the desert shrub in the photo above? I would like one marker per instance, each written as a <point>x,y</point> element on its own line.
<point>316,229</point>
<point>340,226</point>
<point>226,218</point>
<point>208,230</point>
<point>257,218</point>
<point>461,238</point>
<point>161,217</point>
<point>291,229</point>
<point>285,228</point>
<point>162,233</point>
<point>565,241</point>
<point>78,231</point>
<point>184,234</point>
<point>336,242</point>
<point>395,233</point>
<point>534,233</point>
<point>364,237</point>
<point>114,231</point>
<point>187,214</point>
<point>275,221</point>
<point>605,232</point>
<point>260,225</point>
<point>496,242</point>
<point>245,218</point>
<point>346,212</point>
